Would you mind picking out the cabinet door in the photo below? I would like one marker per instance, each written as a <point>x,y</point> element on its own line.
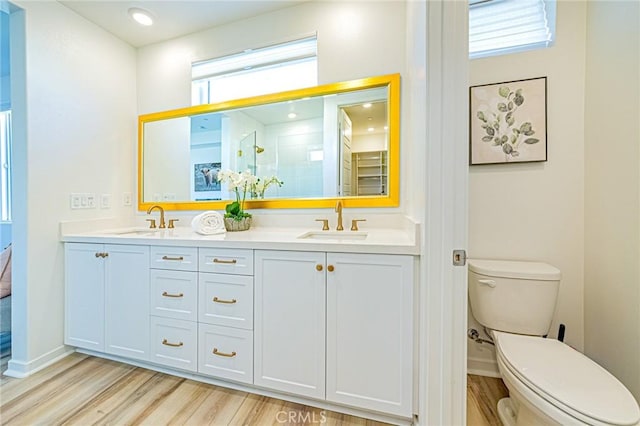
<point>370,332</point>
<point>289,322</point>
<point>84,296</point>
<point>127,301</point>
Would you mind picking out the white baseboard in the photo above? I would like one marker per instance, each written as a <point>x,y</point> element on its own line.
<point>21,369</point>
<point>483,367</point>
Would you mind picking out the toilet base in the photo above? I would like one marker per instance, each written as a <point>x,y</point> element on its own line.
<point>506,413</point>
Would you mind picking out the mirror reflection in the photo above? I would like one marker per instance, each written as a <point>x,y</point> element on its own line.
<point>327,145</point>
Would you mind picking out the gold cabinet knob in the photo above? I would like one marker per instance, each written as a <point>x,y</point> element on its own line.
<point>318,267</point>
<point>330,268</point>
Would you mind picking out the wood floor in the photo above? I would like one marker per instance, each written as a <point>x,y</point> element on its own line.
<point>483,394</point>
<point>82,390</point>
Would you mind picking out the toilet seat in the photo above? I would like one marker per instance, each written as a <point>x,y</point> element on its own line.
<point>567,379</point>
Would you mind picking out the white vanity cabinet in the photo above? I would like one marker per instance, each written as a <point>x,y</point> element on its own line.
<point>290,322</point>
<point>316,325</point>
<point>370,331</point>
<point>107,298</point>
<point>173,301</point>
<point>225,314</point>
<point>355,308</point>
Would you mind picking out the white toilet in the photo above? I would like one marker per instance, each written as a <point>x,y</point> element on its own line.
<point>549,382</point>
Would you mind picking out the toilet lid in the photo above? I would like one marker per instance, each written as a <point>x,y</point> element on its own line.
<point>560,373</point>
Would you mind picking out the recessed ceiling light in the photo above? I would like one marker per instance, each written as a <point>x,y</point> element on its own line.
<point>367,105</point>
<point>292,115</point>
<point>371,129</point>
<point>141,16</point>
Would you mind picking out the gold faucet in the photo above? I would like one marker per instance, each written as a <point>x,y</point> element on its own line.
<point>339,211</point>
<point>162,224</point>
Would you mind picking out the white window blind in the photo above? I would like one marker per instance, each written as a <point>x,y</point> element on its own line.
<point>287,66</point>
<point>506,26</point>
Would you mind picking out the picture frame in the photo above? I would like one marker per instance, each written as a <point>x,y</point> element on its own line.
<point>508,122</point>
<point>205,177</point>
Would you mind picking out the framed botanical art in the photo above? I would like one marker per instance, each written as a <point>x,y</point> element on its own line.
<point>508,122</point>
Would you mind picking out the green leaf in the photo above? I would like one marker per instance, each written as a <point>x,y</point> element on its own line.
<point>502,107</point>
<point>510,121</point>
<point>490,131</point>
<point>529,132</point>
<point>515,154</point>
<point>525,127</point>
<point>504,139</point>
<point>531,141</point>
<point>481,116</point>
<point>496,141</point>
<point>516,131</point>
<point>503,91</point>
<point>487,139</point>
<point>513,139</point>
<point>506,148</point>
<point>518,100</point>
<point>519,92</point>
<point>510,106</point>
<point>233,208</point>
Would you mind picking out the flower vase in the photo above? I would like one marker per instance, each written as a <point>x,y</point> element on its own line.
<point>232,225</point>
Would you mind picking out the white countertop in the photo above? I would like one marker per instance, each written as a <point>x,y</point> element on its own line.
<point>389,241</point>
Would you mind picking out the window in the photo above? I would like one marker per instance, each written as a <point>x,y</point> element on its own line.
<point>271,69</point>
<point>497,27</point>
<point>5,166</point>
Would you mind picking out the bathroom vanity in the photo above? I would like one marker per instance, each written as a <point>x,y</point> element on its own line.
<point>321,319</point>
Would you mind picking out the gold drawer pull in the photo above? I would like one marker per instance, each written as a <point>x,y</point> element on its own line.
<point>168,343</point>
<point>172,258</point>
<point>215,299</point>
<point>231,262</point>
<point>217,352</point>
<point>102,255</point>
<point>165,294</point>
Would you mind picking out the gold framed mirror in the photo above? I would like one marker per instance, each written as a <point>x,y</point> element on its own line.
<point>339,141</point>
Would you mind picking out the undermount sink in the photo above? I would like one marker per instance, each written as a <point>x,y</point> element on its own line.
<point>333,236</point>
<point>131,232</point>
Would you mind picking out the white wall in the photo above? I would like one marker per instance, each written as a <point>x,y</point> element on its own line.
<point>370,34</point>
<point>612,201</point>
<point>74,133</point>
<point>535,211</point>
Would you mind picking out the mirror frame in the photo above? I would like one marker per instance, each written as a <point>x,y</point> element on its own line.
<point>392,199</point>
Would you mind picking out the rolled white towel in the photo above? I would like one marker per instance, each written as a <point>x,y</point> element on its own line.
<point>208,223</point>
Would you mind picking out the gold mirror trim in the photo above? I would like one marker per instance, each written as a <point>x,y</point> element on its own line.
<point>392,81</point>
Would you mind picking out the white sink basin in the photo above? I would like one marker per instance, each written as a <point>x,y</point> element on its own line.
<point>131,232</point>
<point>333,236</point>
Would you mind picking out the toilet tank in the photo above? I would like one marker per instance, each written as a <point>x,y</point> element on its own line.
<point>513,296</point>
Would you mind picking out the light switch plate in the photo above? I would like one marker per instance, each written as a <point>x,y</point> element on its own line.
<point>105,201</point>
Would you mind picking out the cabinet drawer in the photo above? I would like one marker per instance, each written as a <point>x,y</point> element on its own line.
<point>225,352</point>
<point>174,343</point>
<point>226,300</point>
<point>174,294</point>
<point>176,258</point>
<point>239,262</point>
